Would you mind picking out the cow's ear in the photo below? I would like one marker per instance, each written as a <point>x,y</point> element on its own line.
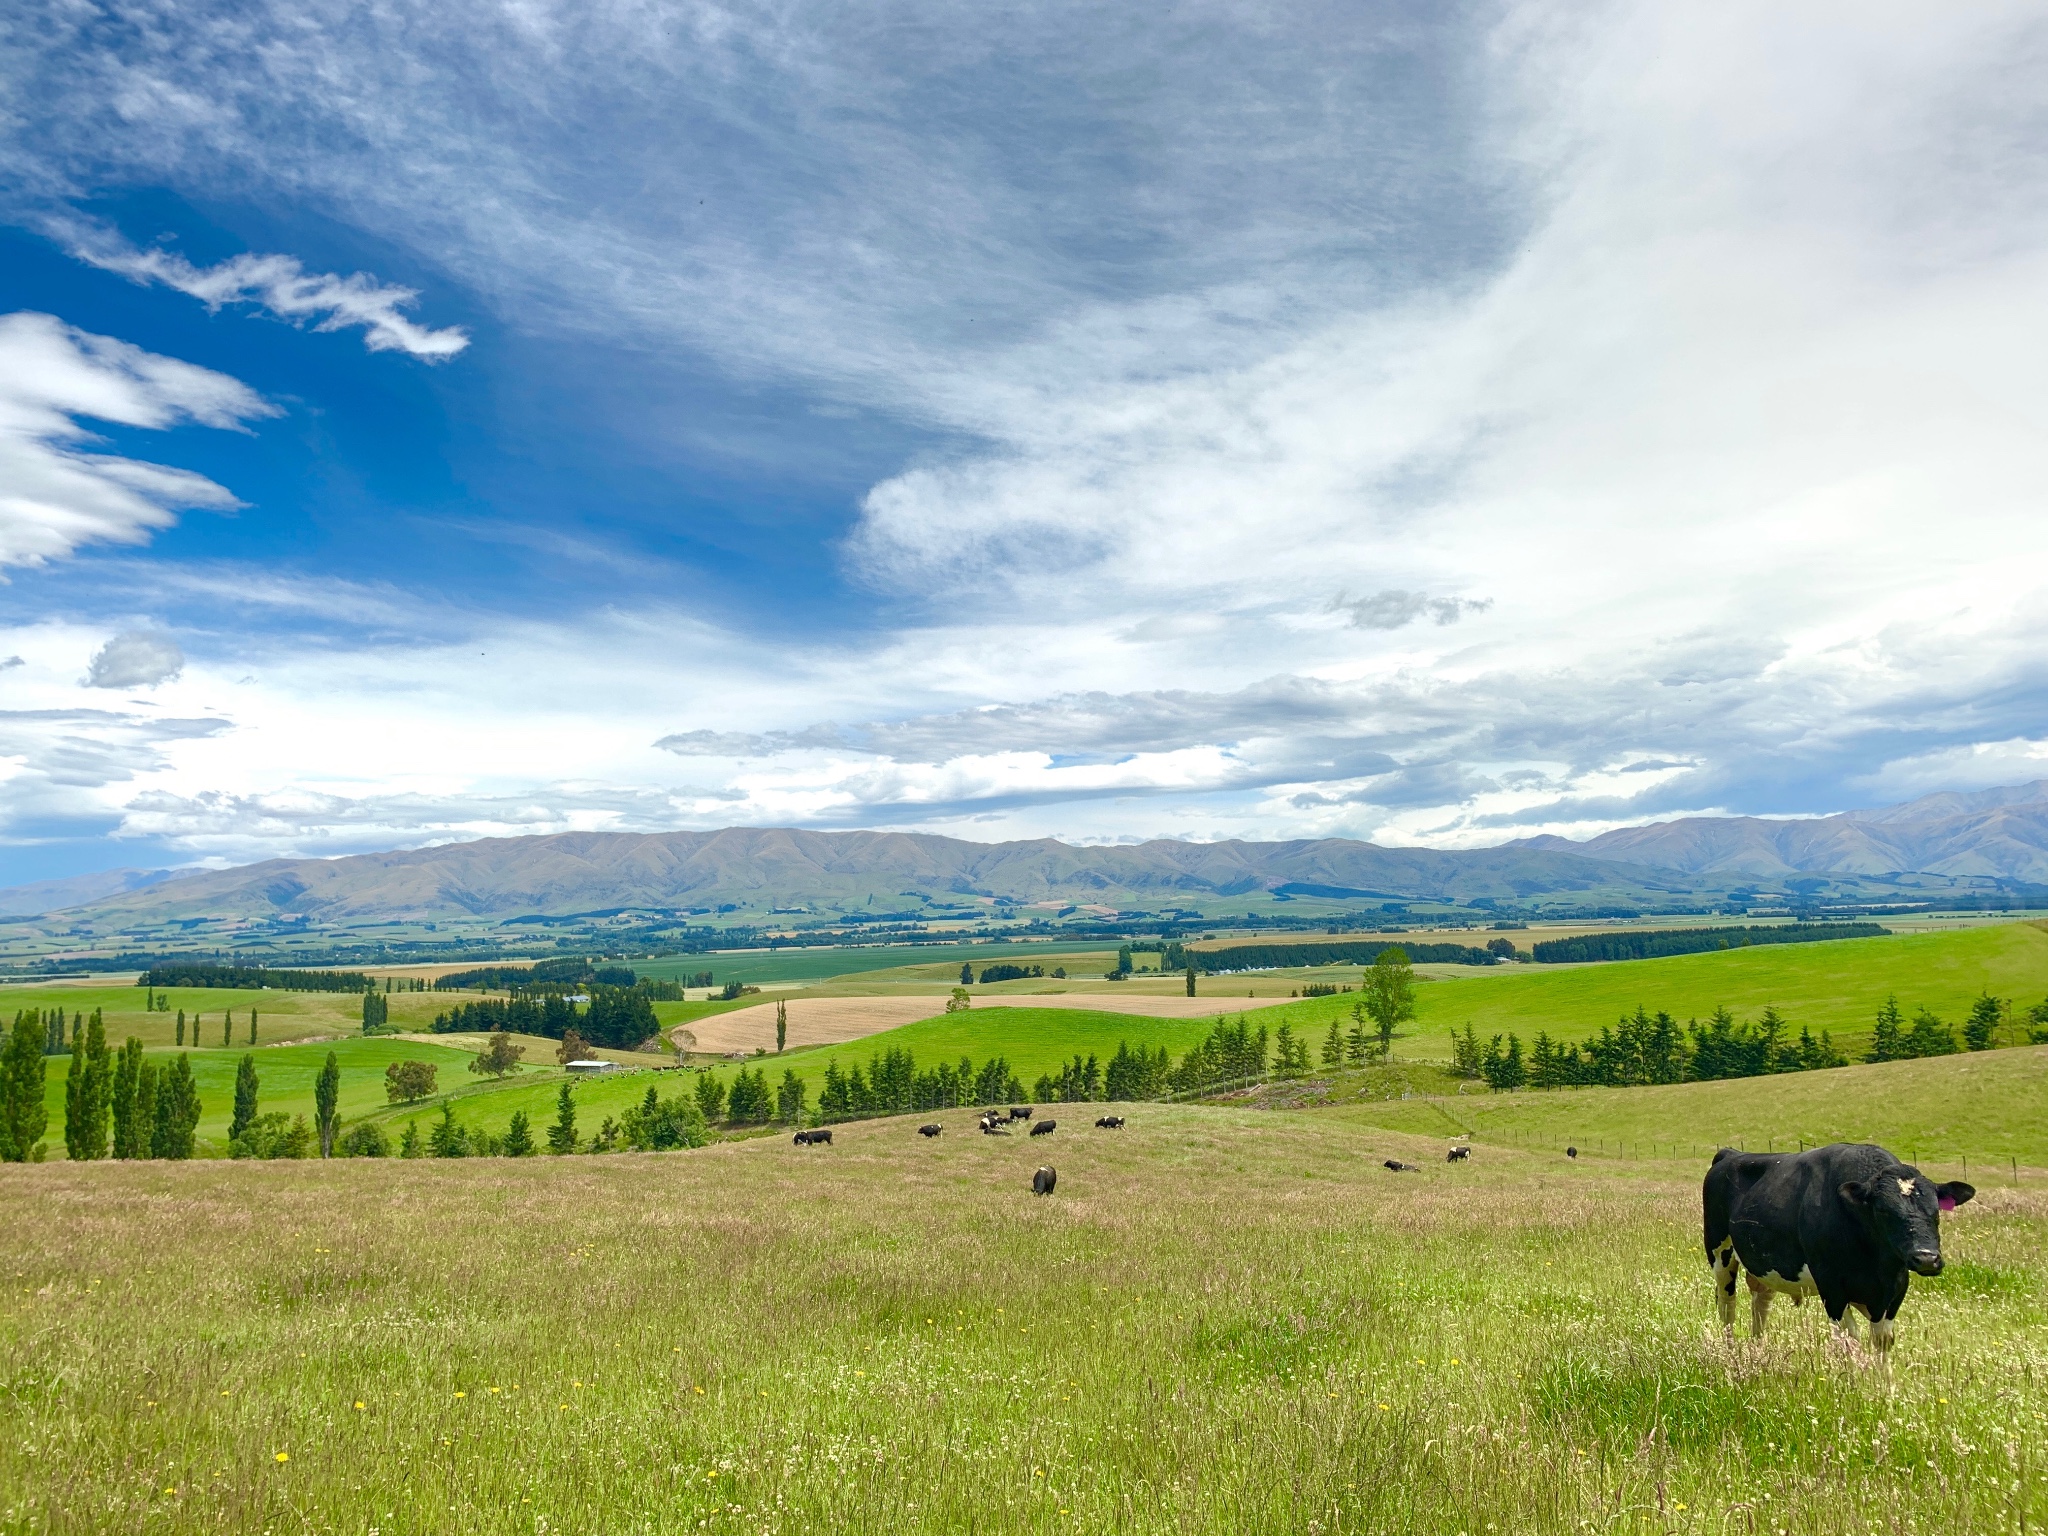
<point>1856,1194</point>
<point>1953,1195</point>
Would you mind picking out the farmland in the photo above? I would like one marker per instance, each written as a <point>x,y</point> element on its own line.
<point>1224,1320</point>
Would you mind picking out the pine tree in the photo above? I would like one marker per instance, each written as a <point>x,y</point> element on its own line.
<point>1980,1030</point>
<point>789,1098</point>
<point>23,1117</point>
<point>1888,1039</point>
<point>966,974</point>
<point>177,1110</point>
<point>87,1091</point>
<point>1333,1046</point>
<point>518,1136</point>
<point>448,1139</point>
<point>327,1103</point>
<point>562,1134</point>
<point>245,1097</point>
<point>127,1075</point>
<point>409,1144</point>
<point>142,1138</point>
<point>710,1096</point>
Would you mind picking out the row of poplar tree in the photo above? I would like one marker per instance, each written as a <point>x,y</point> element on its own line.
<point>124,1108</point>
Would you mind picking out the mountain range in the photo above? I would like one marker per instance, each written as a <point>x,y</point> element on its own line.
<point>1989,838</point>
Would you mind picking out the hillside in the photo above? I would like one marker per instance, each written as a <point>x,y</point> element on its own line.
<point>594,872</point>
<point>1999,834</point>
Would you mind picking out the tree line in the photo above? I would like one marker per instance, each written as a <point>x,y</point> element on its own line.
<point>1655,943</point>
<point>1273,957</point>
<point>1646,1048</point>
<point>181,973</point>
<point>618,1018</point>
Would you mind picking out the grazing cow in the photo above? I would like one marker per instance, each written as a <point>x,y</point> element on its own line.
<point>1848,1223</point>
<point>992,1128</point>
<point>1045,1127</point>
<point>1020,1114</point>
<point>1043,1181</point>
<point>1457,1154</point>
<point>929,1130</point>
<point>1110,1123</point>
<point>819,1138</point>
<point>1571,1151</point>
<point>1397,1166</point>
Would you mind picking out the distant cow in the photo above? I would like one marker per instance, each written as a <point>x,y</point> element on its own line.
<point>1457,1154</point>
<point>929,1130</point>
<point>1043,1181</point>
<point>1571,1151</point>
<point>992,1128</point>
<point>1045,1127</point>
<point>1848,1223</point>
<point>1397,1166</point>
<point>1110,1123</point>
<point>1020,1114</point>
<point>812,1138</point>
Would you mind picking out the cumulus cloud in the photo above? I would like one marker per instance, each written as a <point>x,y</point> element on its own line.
<point>54,495</point>
<point>135,659</point>
<point>280,285</point>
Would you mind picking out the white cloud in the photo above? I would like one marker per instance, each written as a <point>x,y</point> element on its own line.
<point>135,659</point>
<point>280,285</point>
<point>54,496</point>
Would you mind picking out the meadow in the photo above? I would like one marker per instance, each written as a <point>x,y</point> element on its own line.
<point>1223,1320</point>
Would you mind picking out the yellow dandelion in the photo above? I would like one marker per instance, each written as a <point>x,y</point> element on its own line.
<point>1678,1506</point>
<point>170,1491</point>
<point>359,1406</point>
<point>462,1394</point>
<point>284,1455</point>
<point>698,1390</point>
<point>494,1389</point>
<point>1385,1409</point>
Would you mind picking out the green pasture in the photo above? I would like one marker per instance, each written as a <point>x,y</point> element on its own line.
<point>280,1015</point>
<point>1222,1321</point>
<point>1836,986</point>
<point>863,961</point>
<point>1988,1106</point>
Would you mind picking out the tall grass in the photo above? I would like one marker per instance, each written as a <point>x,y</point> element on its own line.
<point>1223,1321</point>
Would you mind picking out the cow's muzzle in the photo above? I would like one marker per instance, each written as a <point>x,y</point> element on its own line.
<point>1926,1261</point>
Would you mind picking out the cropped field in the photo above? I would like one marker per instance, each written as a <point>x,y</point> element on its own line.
<point>1222,1321</point>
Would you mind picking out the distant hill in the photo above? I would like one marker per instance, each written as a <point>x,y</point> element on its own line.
<point>591,872</point>
<point>1999,834</point>
<point>75,890</point>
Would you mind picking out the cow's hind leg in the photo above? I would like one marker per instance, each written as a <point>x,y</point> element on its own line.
<point>1726,1268</point>
<point>1759,1306</point>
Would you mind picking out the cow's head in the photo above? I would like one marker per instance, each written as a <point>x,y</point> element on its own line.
<point>1903,1207</point>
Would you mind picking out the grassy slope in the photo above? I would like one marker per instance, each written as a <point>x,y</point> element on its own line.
<point>1985,1106</point>
<point>1835,986</point>
<point>1223,1322</point>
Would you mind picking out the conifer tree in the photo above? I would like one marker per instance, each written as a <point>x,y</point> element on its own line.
<point>245,1097</point>
<point>518,1136</point>
<point>409,1144</point>
<point>177,1110</point>
<point>1980,1030</point>
<point>127,1074</point>
<point>181,1026</point>
<point>327,1103</point>
<point>1333,1046</point>
<point>781,1026</point>
<point>142,1137</point>
<point>227,1028</point>
<point>1888,1038</point>
<point>252,1026</point>
<point>87,1091</point>
<point>1191,981</point>
<point>562,1134</point>
<point>23,1117</point>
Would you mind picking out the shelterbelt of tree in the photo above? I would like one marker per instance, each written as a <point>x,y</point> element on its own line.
<point>191,973</point>
<point>1656,943</point>
<point>1268,957</point>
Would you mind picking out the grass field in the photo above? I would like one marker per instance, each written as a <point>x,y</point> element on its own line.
<point>1222,1321</point>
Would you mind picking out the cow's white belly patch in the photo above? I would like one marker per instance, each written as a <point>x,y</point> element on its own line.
<point>1798,1289</point>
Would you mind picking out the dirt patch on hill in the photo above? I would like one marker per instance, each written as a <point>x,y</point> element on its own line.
<point>832,1020</point>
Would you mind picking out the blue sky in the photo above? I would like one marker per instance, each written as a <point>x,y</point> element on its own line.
<point>1427,423</point>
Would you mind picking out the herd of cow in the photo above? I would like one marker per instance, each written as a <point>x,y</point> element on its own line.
<point>1849,1223</point>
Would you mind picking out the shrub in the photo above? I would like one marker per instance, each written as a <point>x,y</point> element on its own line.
<point>365,1138</point>
<point>274,1135</point>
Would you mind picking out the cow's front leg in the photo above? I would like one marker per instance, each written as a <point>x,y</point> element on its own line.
<point>1759,1306</point>
<point>1881,1335</point>
<point>1726,1266</point>
<point>1845,1325</point>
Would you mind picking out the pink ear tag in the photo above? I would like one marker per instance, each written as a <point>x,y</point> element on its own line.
<point>1948,1203</point>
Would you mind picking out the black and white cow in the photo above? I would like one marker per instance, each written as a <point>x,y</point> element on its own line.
<point>1457,1154</point>
<point>1110,1123</point>
<point>1395,1165</point>
<point>819,1138</point>
<point>1045,1127</point>
<point>1848,1223</point>
<point>1043,1181</point>
<point>930,1130</point>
